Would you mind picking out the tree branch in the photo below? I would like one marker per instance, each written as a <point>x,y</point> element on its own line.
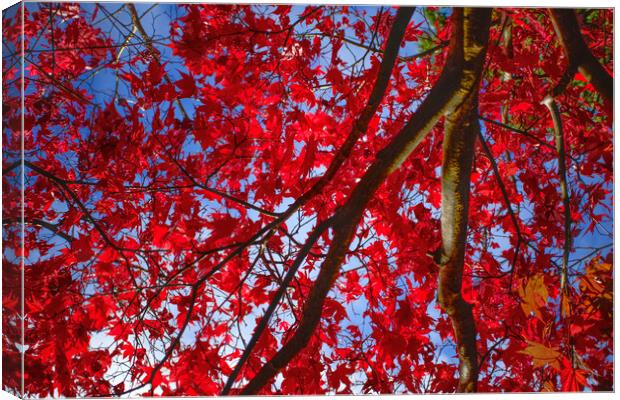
<point>565,303</point>
<point>264,322</point>
<point>376,96</point>
<point>350,41</point>
<point>54,228</point>
<point>579,55</point>
<point>460,135</point>
<point>511,212</point>
<point>459,77</point>
<point>148,42</point>
<point>517,130</point>
<point>359,127</point>
<point>559,143</point>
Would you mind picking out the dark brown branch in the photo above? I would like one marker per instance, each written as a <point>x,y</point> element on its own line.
<point>590,254</point>
<point>264,322</point>
<point>502,187</point>
<point>459,77</point>
<point>492,348</point>
<point>220,192</point>
<point>80,205</point>
<point>360,126</point>
<point>289,29</point>
<point>425,52</point>
<point>39,222</point>
<point>94,47</point>
<point>517,130</point>
<point>135,19</point>
<point>11,167</point>
<point>376,96</point>
<point>579,55</point>
<point>500,183</point>
<point>525,132</point>
<point>56,83</point>
<point>379,51</point>
<point>174,343</point>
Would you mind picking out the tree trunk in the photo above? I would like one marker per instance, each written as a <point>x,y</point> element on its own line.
<point>461,130</point>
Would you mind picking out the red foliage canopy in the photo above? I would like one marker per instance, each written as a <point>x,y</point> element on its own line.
<point>249,199</point>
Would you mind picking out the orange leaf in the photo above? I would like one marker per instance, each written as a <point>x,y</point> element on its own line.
<point>534,295</point>
<point>542,355</point>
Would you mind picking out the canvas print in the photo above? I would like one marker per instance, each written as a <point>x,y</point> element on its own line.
<point>259,199</point>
